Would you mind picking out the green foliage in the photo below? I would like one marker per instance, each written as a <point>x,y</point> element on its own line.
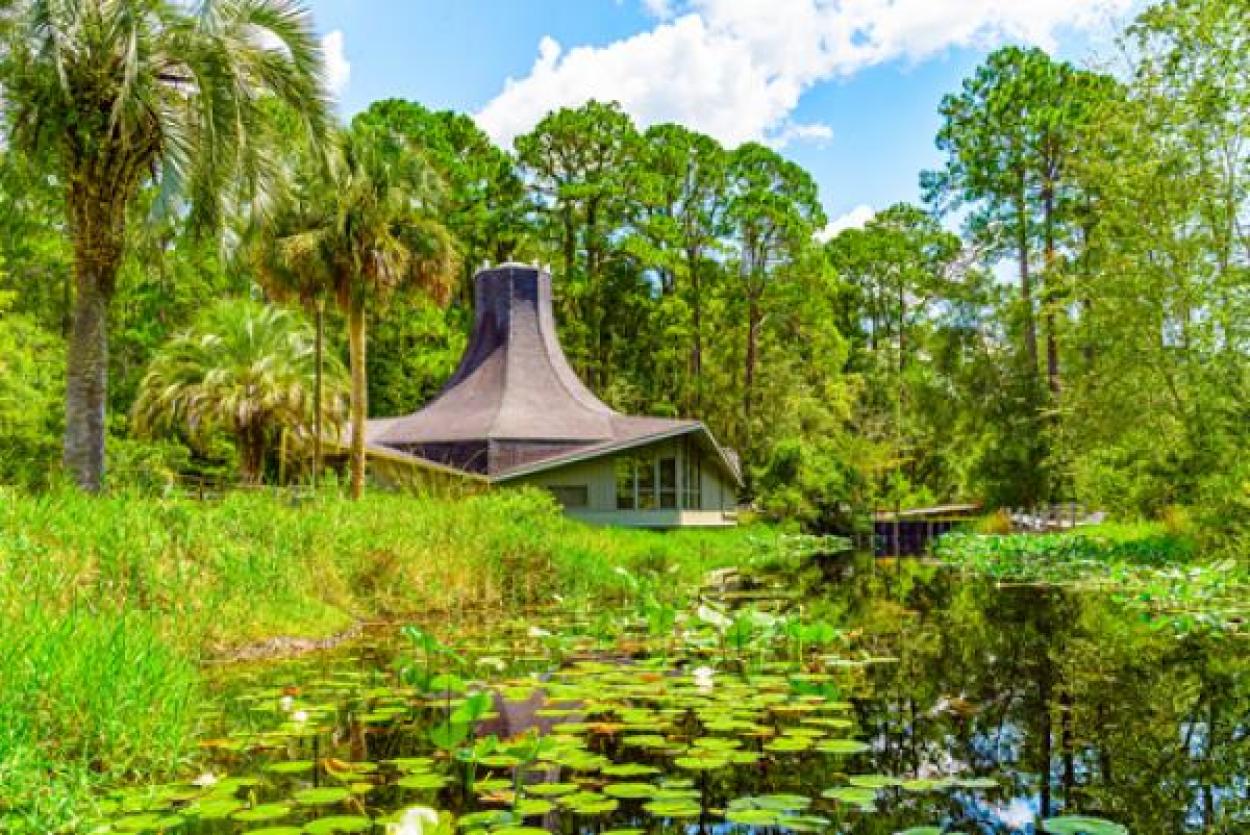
<point>111,97</point>
<point>106,603</point>
<point>243,369</point>
<point>32,381</point>
<point>894,363</point>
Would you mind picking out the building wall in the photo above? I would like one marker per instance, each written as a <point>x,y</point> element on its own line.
<point>598,476</point>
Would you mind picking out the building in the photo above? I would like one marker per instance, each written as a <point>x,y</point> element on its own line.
<point>515,413</point>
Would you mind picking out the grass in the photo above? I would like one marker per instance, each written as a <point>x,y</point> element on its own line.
<point>109,605</point>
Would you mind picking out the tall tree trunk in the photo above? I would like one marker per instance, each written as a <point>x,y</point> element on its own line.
<point>1026,279</point>
<point>319,347</point>
<point>595,295</point>
<point>748,375</point>
<point>696,312</point>
<point>360,394</point>
<point>1049,295</point>
<point>96,259</point>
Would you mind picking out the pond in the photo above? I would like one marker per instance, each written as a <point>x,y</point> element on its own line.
<point>868,696</point>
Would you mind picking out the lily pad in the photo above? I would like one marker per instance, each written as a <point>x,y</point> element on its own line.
<point>1082,825</point>
<point>324,796</point>
<point>339,825</point>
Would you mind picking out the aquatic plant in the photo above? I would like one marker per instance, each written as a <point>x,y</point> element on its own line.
<point>1143,569</point>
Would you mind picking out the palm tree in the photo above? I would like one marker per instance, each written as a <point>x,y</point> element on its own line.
<point>369,228</point>
<point>242,368</point>
<point>287,274</point>
<point>115,94</point>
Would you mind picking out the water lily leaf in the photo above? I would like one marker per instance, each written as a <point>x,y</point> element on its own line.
<point>149,822</point>
<point>701,763</point>
<point>528,807</point>
<point>629,770</point>
<point>324,796</point>
<point>630,791</point>
<point>262,813</point>
<point>925,785</point>
<point>782,802</point>
<point>1082,825</point>
<point>842,746</point>
<point>853,796</point>
<point>673,809</point>
<point>753,817</point>
<point>410,764</point>
<point>337,824</point>
<point>214,808</point>
<point>976,783</point>
<point>487,817</point>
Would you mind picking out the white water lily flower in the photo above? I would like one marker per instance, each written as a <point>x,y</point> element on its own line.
<point>286,703</point>
<point>415,821</point>
<point>538,632</point>
<point>205,780</point>
<point>704,677</point>
<point>707,614</point>
<point>300,716</point>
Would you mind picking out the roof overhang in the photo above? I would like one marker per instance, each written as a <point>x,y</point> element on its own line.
<point>384,453</point>
<point>600,450</point>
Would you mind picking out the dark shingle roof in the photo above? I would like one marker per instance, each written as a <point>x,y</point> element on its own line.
<point>514,389</point>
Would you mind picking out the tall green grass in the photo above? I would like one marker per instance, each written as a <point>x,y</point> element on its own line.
<point>108,605</point>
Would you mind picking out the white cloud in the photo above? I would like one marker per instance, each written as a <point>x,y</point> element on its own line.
<point>338,68</point>
<point>816,132</point>
<point>856,218</point>
<point>736,68</point>
<point>659,9</point>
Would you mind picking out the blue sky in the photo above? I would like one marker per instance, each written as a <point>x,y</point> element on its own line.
<point>847,88</point>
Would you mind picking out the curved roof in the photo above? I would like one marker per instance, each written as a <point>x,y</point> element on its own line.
<point>514,383</point>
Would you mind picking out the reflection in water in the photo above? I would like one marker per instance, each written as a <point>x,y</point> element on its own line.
<point>1040,700</point>
<point>1081,705</point>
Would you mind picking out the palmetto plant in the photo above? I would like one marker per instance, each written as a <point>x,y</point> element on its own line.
<point>245,369</point>
<point>367,227</point>
<point>112,95</point>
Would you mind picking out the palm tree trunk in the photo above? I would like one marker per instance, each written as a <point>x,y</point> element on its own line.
<point>251,454</point>
<point>360,394</point>
<point>86,385</point>
<point>318,384</point>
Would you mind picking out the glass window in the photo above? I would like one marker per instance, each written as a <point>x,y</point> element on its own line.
<point>668,482</point>
<point>625,495</point>
<point>645,470</point>
<point>571,495</point>
<point>692,478</point>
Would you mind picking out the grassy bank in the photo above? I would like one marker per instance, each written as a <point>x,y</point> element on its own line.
<point>108,605</point>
